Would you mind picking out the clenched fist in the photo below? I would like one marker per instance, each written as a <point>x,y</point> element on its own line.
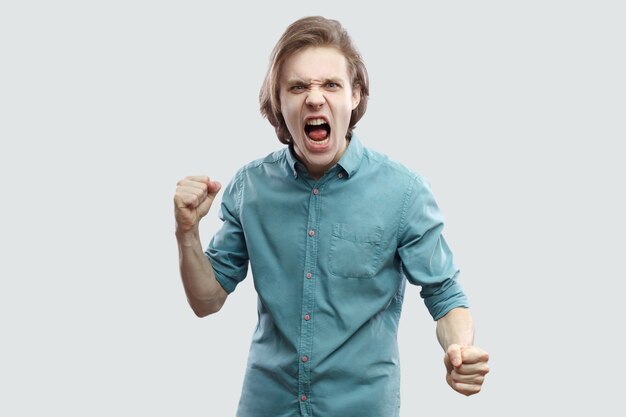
<point>466,368</point>
<point>192,201</point>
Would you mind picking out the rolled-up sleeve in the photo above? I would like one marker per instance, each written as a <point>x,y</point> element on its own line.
<point>227,251</point>
<point>427,260</point>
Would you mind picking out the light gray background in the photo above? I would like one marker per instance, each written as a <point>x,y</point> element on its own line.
<point>514,111</point>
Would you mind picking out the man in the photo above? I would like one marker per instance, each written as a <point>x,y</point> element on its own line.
<point>332,231</point>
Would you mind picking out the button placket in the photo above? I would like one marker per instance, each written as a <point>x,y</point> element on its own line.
<point>308,297</point>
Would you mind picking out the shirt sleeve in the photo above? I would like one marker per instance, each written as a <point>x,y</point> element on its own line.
<point>427,260</point>
<point>227,250</point>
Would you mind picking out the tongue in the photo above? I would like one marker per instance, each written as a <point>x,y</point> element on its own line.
<point>318,134</point>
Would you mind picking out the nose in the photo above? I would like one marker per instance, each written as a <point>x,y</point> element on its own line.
<point>315,98</point>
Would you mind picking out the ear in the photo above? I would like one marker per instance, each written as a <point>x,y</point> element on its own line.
<point>356,96</point>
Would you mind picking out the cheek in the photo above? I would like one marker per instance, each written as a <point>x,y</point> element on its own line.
<point>287,115</point>
<point>348,106</point>
<point>287,107</point>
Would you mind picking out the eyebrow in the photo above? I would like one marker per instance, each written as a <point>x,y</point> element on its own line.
<point>295,81</point>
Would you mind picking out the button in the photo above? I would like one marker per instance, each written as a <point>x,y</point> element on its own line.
<point>309,275</point>
<point>307,317</point>
<point>305,359</point>
<point>316,191</point>
<point>311,232</point>
<point>340,175</point>
<point>303,397</point>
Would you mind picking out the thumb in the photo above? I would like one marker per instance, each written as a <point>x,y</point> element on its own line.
<point>213,187</point>
<point>454,355</point>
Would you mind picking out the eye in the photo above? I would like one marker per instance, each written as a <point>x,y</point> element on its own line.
<point>332,85</point>
<point>297,88</point>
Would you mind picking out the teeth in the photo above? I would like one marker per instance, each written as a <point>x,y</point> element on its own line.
<point>315,122</point>
<point>319,142</point>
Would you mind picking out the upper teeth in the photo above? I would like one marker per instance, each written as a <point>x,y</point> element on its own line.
<point>315,122</point>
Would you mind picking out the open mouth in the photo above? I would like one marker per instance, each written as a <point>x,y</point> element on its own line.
<point>317,130</point>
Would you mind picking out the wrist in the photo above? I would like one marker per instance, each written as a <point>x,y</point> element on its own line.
<point>189,237</point>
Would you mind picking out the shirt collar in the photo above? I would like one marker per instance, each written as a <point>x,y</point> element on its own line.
<point>350,161</point>
<point>292,162</point>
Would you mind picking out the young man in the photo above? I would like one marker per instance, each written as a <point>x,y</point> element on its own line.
<point>332,231</point>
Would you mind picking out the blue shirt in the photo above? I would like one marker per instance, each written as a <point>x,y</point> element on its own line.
<point>329,260</point>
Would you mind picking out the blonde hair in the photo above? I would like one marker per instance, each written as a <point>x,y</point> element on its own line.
<point>304,33</point>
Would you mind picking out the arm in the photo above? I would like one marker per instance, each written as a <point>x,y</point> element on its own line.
<point>204,294</point>
<point>192,201</point>
<point>427,261</point>
<point>456,327</point>
<point>466,364</point>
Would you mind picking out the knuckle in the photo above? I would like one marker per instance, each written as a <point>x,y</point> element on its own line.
<point>471,390</point>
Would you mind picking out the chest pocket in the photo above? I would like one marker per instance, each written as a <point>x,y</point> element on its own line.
<point>355,251</point>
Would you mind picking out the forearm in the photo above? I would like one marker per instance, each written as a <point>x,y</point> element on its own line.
<point>205,295</point>
<point>456,327</point>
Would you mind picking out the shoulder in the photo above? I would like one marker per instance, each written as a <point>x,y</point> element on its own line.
<point>387,167</point>
<point>274,158</point>
<point>270,164</point>
<point>256,173</point>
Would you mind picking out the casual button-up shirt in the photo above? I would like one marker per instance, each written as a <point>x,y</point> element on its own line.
<point>330,259</point>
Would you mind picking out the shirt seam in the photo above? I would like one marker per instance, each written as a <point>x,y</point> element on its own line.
<point>278,157</point>
<point>405,205</point>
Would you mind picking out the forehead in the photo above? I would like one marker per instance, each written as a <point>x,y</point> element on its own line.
<point>315,63</point>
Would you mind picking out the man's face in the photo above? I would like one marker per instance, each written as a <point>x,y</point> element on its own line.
<point>316,101</point>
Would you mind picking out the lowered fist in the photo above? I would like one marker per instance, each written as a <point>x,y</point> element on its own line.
<point>466,367</point>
